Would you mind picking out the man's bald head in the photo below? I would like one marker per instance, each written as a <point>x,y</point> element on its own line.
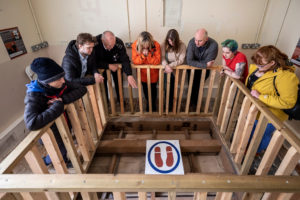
<point>201,37</point>
<point>108,39</point>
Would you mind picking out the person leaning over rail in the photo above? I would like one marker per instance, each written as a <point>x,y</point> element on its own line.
<point>110,50</point>
<point>79,61</point>
<point>45,98</point>
<point>270,62</point>
<point>173,52</point>
<point>146,51</point>
<point>234,63</point>
<point>201,52</point>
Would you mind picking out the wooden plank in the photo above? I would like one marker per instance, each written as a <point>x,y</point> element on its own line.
<point>255,141</point>
<point>200,196</point>
<point>161,92</point>
<point>111,93</point>
<point>89,196</point>
<point>80,136</point>
<point>103,96</point>
<point>200,93</point>
<point>181,90</point>
<point>142,195</point>
<point>8,164</point>
<point>286,167</point>
<point>130,99</point>
<point>119,195</point>
<point>223,100</point>
<point>245,135</point>
<point>149,90</point>
<point>171,195</point>
<point>69,144</point>
<point>37,166</point>
<point>54,152</point>
<point>84,124</point>
<point>234,117</point>
<point>147,183</point>
<point>240,125</point>
<point>120,82</point>
<point>168,93</point>
<point>95,107</point>
<point>175,91</point>
<point>91,118</point>
<point>139,146</point>
<point>140,90</point>
<point>210,88</point>
<point>228,108</point>
<point>218,98</point>
<point>101,105</point>
<point>187,105</point>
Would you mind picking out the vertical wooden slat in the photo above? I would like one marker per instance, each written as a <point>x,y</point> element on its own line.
<point>101,105</point>
<point>224,196</point>
<point>111,93</point>
<point>171,195</point>
<point>286,167</point>
<point>240,125</point>
<point>234,116</point>
<point>245,134</point>
<point>80,136</point>
<point>210,89</point>
<point>175,91</point>
<point>142,195</point>
<point>228,108</point>
<point>119,195</point>
<point>120,82</point>
<point>95,107</point>
<point>189,91</point>
<point>103,96</point>
<point>54,152</point>
<point>85,124</point>
<point>69,144</point>
<point>140,90</point>
<point>161,91</point>
<point>181,90</point>
<point>36,164</point>
<point>149,89</point>
<point>219,96</point>
<point>200,93</point>
<point>89,196</point>
<point>168,93</point>
<point>223,100</point>
<point>91,117</point>
<point>130,99</point>
<point>200,196</point>
<point>255,141</point>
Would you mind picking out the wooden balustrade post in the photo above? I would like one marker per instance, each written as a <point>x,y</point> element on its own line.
<point>175,91</point>
<point>188,99</point>
<point>149,90</point>
<point>223,100</point>
<point>140,90</point>
<point>210,89</point>
<point>168,93</point>
<point>120,82</point>
<point>111,93</point>
<point>201,90</point>
<point>181,90</point>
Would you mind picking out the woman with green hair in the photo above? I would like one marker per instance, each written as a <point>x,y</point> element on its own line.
<point>234,62</point>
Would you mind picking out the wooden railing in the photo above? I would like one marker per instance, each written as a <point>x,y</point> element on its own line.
<point>233,114</point>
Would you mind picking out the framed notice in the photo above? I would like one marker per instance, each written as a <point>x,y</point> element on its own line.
<point>13,42</point>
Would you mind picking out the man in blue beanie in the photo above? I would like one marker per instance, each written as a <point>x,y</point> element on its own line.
<point>45,98</point>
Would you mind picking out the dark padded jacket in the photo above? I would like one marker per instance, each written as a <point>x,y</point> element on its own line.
<point>117,54</point>
<point>72,66</point>
<point>38,113</point>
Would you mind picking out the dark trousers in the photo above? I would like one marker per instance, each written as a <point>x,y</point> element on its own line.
<point>171,97</point>
<point>153,95</point>
<point>196,84</point>
<point>116,82</point>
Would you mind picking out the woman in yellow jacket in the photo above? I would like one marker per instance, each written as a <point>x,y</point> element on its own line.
<point>271,69</point>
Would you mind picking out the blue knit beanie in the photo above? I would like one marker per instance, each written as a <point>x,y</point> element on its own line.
<point>47,70</point>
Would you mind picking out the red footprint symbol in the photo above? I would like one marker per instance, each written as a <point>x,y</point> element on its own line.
<point>170,159</point>
<point>157,157</point>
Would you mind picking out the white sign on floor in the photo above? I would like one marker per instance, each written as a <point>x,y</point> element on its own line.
<point>163,157</point>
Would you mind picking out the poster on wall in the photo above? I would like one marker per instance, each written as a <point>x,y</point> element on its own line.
<point>13,42</point>
<point>296,55</point>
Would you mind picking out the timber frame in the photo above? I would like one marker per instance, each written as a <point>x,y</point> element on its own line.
<point>232,112</point>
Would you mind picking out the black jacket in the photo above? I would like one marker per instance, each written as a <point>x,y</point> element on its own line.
<point>38,113</point>
<point>116,55</point>
<point>72,66</point>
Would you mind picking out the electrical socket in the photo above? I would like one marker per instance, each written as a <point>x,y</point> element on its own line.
<point>128,44</point>
<point>39,46</point>
<point>251,46</point>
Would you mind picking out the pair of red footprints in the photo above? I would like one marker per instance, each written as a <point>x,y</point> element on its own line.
<point>159,161</point>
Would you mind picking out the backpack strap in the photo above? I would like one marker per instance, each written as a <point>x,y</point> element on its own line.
<point>275,86</point>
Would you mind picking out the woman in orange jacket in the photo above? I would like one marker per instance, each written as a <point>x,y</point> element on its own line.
<point>146,51</point>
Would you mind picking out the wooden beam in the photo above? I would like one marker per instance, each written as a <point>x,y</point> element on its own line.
<point>149,90</point>
<point>147,183</point>
<point>181,90</point>
<point>139,146</point>
<point>161,92</point>
<point>200,93</point>
<point>210,88</point>
<point>188,99</point>
<point>120,82</point>
<point>175,91</point>
<point>168,93</point>
<point>101,99</point>
<point>91,117</point>
<point>111,93</point>
<point>171,195</point>
<point>223,100</point>
<point>140,90</point>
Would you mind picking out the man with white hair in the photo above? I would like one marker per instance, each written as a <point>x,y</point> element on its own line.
<point>110,51</point>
